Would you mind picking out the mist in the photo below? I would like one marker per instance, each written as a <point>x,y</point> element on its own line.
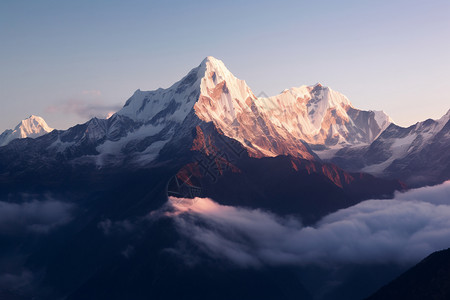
<point>33,216</point>
<point>402,230</point>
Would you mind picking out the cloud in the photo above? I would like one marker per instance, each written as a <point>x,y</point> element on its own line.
<point>402,230</point>
<point>19,281</point>
<point>84,108</point>
<point>33,216</point>
<point>438,194</point>
<point>117,227</point>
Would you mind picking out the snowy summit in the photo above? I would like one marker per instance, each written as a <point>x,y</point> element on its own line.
<point>32,127</point>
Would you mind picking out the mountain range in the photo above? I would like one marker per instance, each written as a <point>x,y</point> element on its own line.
<point>416,154</point>
<point>304,153</point>
<point>314,123</point>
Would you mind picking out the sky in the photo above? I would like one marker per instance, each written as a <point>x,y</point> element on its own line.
<point>68,61</point>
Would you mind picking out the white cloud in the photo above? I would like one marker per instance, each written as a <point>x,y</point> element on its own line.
<point>84,108</point>
<point>402,230</point>
<point>35,216</point>
<point>117,227</point>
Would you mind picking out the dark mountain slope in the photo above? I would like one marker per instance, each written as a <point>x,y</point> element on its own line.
<point>429,279</point>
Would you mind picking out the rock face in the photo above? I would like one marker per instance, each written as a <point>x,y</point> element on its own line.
<point>417,155</point>
<point>276,125</point>
<point>285,185</point>
<point>31,127</point>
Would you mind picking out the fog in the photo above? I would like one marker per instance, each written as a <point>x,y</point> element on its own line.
<point>402,230</point>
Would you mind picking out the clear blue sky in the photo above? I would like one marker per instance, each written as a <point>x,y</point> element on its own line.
<point>68,60</point>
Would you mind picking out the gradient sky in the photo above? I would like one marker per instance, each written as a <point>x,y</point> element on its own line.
<point>69,60</point>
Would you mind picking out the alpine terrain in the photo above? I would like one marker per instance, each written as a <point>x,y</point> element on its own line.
<point>108,230</point>
<point>417,155</point>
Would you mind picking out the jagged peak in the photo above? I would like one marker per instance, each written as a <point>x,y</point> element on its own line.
<point>216,69</point>
<point>211,59</point>
<point>33,123</point>
<point>447,114</point>
<point>319,93</point>
<point>214,64</point>
<point>33,126</point>
<point>32,118</point>
<point>444,119</point>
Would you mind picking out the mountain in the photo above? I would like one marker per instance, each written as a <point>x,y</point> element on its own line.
<point>210,93</point>
<point>31,127</point>
<point>285,184</point>
<point>265,126</point>
<point>322,116</point>
<point>210,121</point>
<point>106,181</point>
<point>417,155</point>
<point>155,120</point>
<point>429,279</point>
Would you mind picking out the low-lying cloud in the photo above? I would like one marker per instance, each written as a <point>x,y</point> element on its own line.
<point>33,216</point>
<point>20,281</point>
<point>84,108</point>
<point>116,227</point>
<point>402,230</point>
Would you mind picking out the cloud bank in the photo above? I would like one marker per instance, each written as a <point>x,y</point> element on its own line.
<point>402,230</point>
<point>33,216</point>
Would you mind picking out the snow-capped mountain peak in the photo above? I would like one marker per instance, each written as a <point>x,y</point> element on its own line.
<point>222,96</point>
<point>270,126</point>
<point>315,114</point>
<point>312,103</point>
<point>32,127</point>
<point>179,99</point>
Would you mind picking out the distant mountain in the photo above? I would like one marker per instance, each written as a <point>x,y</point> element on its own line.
<point>31,127</point>
<point>429,279</point>
<point>418,155</point>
